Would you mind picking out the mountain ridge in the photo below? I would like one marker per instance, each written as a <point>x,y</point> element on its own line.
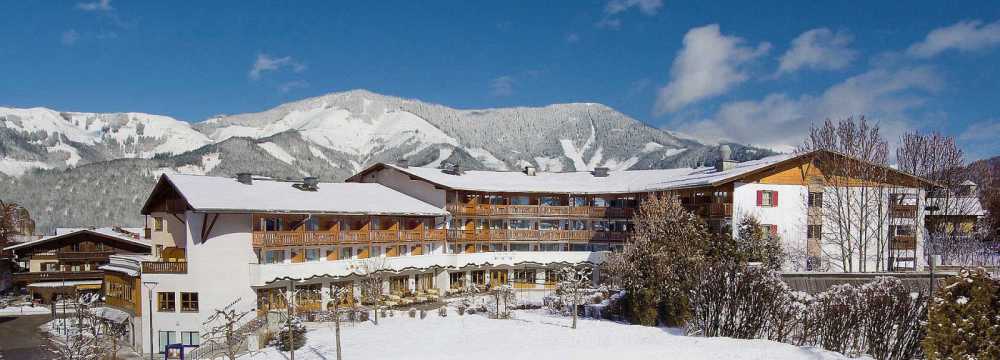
<point>330,136</point>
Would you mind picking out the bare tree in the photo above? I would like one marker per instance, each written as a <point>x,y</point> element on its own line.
<point>954,206</point>
<point>223,332</point>
<point>572,283</point>
<point>853,157</point>
<point>372,271</point>
<point>337,295</point>
<point>82,339</point>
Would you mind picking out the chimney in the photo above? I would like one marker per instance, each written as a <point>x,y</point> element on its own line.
<point>309,183</point>
<point>453,169</point>
<point>725,159</point>
<point>244,178</point>
<point>600,172</point>
<point>403,163</point>
<point>529,170</point>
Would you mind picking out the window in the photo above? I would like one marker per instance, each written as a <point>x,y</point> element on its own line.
<point>274,257</point>
<point>815,199</point>
<point>520,247</point>
<point>767,198</point>
<point>99,246</point>
<point>770,230</point>
<point>479,277</point>
<point>190,338</point>
<point>312,254</point>
<point>271,224</point>
<point>74,247</point>
<point>600,202</point>
<point>578,201</point>
<point>814,231</point>
<point>901,230</point>
<point>51,266</point>
<point>402,250</point>
<point>520,200</point>
<point>548,225</point>
<point>189,301</point>
<point>312,224</point>
<point>165,301</point>
<point>346,253</point>
<point>520,224</point>
<point>549,201</point>
<point>456,280</point>
<point>167,338</point>
<point>157,223</point>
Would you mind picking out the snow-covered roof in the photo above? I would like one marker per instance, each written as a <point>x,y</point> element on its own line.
<point>584,182</point>
<point>103,231</point>
<point>225,194</point>
<point>956,205</point>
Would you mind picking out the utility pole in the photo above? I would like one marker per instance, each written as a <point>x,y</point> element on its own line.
<point>150,285</point>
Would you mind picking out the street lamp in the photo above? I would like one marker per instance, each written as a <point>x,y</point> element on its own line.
<point>150,285</point>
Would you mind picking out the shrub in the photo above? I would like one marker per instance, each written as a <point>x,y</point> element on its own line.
<point>412,313</point>
<point>461,310</point>
<point>742,302</point>
<point>443,311</point>
<point>640,307</point>
<point>296,340</point>
<point>423,314</point>
<point>964,318</point>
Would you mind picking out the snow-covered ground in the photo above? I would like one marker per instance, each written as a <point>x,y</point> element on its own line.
<point>533,334</point>
<point>25,310</point>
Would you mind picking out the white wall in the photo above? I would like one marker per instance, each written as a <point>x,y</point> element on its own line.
<point>790,214</point>
<point>218,270</point>
<point>401,182</point>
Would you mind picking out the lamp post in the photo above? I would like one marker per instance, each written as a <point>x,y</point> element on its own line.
<point>150,285</point>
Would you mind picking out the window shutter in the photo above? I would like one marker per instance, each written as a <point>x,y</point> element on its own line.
<point>760,197</point>
<point>774,230</point>
<point>774,199</point>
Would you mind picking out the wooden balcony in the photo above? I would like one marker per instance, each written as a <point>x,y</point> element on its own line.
<point>539,211</point>
<point>717,210</point>
<point>277,239</point>
<point>163,267</point>
<point>121,304</point>
<point>904,243</point>
<point>33,277</point>
<point>84,255</point>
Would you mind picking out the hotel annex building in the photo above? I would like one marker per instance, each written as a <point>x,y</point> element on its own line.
<point>217,240</point>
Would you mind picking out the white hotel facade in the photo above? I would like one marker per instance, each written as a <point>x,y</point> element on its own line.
<point>217,240</point>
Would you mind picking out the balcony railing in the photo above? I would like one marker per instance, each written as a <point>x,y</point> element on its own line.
<point>904,242</point>
<point>311,238</point>
<point>539,211</point>
<point>84,255</point>
<point>31,277</point>
<point>902,211</point>
<point>164,267</point>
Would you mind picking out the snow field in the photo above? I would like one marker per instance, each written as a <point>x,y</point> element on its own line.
<point>533,334</point>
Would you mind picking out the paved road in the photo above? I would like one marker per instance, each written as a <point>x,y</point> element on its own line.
<point>21,339</point>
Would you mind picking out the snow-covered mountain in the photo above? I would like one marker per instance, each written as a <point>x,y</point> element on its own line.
<point>330,136</point>
<point>45,139</point>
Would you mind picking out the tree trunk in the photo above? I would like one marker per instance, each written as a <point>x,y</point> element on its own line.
<point>576,302</point>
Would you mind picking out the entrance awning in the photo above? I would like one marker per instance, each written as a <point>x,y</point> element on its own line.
<point>79,284</point>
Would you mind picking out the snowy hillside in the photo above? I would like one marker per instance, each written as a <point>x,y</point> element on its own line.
<point>44,138</point>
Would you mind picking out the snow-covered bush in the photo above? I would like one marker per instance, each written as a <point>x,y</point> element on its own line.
<point>423,314</point>
<point>964,318</point>
<point>443,311</point>
<point>291,336</point>
<point>738,301</point>
<point>412,313</point>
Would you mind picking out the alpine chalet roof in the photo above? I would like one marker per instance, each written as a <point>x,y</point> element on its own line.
<point>103,232</point>
<point>583,182</point>
<point>225,194</point>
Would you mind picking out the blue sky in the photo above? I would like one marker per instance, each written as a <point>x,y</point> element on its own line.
<point>753,72</point>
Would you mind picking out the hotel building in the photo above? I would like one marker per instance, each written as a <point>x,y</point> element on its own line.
<point>217,240</point>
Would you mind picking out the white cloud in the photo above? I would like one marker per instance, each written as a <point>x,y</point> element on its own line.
<point>502,86</point>
<point>616,7</point>
<point>267,63</point>
<point>572,38</point>
<point>709,64</point>
<point>781,122</point>
<point>292,85</point>
<point>100,5</point>
<point>979,139</point>
<point>962,36</point>
<point>647,7</point>
<point>819,49</point>
<point>69,37</point>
